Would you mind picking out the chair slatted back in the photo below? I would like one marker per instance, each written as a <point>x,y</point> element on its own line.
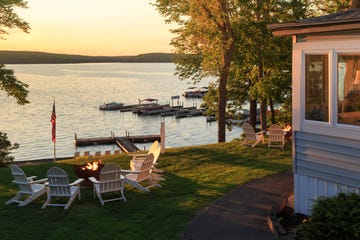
<point>156,154</point>
<point>153,147</point>
<point>249,131</point>
<point>110,178</point>
<point>21,180</point>
<point>58,182</point>
<point>276,133</point>
<point>145,168</point>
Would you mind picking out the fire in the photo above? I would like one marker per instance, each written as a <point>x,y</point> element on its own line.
<point>287,128</point>
<point>93,166</point>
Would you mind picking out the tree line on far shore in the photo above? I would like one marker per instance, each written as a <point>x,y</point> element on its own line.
<point>28,57</point>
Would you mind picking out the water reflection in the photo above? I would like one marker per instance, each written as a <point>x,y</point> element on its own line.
<point>79,89</point>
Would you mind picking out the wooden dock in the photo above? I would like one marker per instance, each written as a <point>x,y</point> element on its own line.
<point>126,144</point>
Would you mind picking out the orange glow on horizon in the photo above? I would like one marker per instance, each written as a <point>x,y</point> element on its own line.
<point>91,27</point>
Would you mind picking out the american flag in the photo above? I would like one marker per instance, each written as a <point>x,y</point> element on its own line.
<point>53,123</point>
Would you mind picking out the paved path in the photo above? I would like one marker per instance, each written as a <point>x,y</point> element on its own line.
<point>241,214</point>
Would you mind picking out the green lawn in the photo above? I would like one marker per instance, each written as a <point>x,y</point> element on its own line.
<point>195,177</point>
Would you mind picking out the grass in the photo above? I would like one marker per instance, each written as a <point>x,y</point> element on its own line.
<point>195,177</point>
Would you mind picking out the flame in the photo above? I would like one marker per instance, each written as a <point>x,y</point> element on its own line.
<point>287,128</point>
<point>93,166</point>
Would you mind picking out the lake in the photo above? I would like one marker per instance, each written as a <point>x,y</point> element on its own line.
<point>79,89</point>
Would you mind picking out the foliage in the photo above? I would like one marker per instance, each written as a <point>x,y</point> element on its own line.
<point>261,67</point>
<point>195,177</point>
<point>333,218</point>
<point>9,19</point>
<point>8,82</point>
<point>5,149</point>
<point>204,43</point>
<point>12,86</point>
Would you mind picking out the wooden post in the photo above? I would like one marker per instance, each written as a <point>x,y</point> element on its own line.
<point>162,137</point>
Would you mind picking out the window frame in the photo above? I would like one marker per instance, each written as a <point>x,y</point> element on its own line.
<point>323,90</point>
<point>337,124</point>
<point>331,46</point>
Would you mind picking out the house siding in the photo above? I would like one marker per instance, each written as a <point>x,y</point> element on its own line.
<point>324,166</point>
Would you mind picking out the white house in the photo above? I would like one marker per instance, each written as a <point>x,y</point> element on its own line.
<point>326,105</point>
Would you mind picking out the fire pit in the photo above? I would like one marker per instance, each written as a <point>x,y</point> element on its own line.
<point>90,169</point>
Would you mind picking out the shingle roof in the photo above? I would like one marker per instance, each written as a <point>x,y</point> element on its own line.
<point>344,20</point>
<point>339,16</point>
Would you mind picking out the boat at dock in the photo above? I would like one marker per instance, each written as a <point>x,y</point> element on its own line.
<point>111,106</point>
<point>190,113</point>
<point>195,92</point>
<point>172,111</point>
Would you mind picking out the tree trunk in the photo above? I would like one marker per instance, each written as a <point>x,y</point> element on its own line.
<point>228,50</point>
<point>253,113</point>
<point>263,110</point>
<point>222,109</point>
<point>222,99</point>
<point>263,105</point>
<point>272,110</point>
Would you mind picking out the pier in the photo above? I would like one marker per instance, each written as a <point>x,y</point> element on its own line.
<point>125,143</point>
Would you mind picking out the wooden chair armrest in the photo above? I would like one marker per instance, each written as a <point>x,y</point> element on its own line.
<point>138,154</point>
<point>93,180</point>
<point>77,182</point>
<point>44,180</point>
<point>31,178</point>
<point>129,171</point>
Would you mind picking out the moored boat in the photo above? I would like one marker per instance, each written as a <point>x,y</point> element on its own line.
<point>111,106</point>
<point>195,92</point>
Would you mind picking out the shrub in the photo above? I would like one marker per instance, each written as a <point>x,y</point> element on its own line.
<point>335,217</point>
<point>5,149</point>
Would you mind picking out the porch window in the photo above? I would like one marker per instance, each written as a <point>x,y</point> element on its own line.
<point>317,87</point>
<point>349,89</point>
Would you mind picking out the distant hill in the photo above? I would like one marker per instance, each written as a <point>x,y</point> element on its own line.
<point>26,57</point>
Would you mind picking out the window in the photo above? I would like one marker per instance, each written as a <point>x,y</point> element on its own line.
<point>317,87</point>
<point>348,89</point>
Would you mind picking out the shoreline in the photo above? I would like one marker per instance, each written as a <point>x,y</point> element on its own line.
<point>38,161</point>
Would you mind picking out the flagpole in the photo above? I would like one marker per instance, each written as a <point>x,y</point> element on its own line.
<point>54,152</point>
<point>53,129</point>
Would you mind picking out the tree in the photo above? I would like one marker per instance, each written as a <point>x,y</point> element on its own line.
<point>204,43</point>
<point>8,82</point>
<point>262,64</point>
<point>261,71</point>
<point>229,39</point>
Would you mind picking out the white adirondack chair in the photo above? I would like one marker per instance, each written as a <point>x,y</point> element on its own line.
<point>137,158</point>
<point>110,180</point>
<point>143,174</point>
<point>27,187</point>
<point>250,136</point>
<point>58,186</point>
<point>276,136</point>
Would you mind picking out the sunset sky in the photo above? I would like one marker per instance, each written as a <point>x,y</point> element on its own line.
<point>91,27</point>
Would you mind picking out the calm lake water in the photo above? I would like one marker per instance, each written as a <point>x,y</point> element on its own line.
<point>79,89</point>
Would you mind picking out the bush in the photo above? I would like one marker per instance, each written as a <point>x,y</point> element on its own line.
<point>335,217</point>
<point>5,149</point>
